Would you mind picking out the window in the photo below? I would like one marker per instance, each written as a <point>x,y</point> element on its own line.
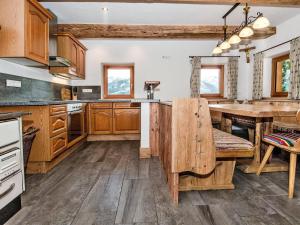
<point>118,81</point>
<point>212,81</point>
<point>281,69</point>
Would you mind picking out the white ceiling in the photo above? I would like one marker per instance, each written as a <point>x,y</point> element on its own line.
<point>134,13</point>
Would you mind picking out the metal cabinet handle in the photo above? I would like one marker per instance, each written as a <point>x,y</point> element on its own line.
<point>7,191</point>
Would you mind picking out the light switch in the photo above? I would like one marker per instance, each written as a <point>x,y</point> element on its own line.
<point>87,90</point>
<point>13,83</point>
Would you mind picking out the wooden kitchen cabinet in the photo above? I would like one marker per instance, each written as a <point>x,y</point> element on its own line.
<point>101,121</point>
<point>81,62</point>
<point>70,48</point>
<point>58,124</point>
<point>114,118</point>
<point>58,144</point>
<point>24,34</point>
<point>126,121</point>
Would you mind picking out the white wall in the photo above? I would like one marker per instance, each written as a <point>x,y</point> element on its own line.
<point>29,72</point>
<point>166,61</point>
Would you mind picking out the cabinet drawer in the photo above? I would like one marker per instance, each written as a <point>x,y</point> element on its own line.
<point>58,124</point>
<point>58,109</point>
<point>125,105</point>
<point>58,144</point>
<point>102,105</point>
<point>10,189</point>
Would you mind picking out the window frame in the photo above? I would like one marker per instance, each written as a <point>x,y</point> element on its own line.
<point>275,60</point>
<point>105,80</point>
<point>221,81</point>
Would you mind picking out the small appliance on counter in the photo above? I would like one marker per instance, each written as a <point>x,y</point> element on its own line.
<point>74,93</point>
<point>150,87</point>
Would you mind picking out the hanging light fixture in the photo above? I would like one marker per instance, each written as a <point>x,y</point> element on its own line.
<point>242,34</point>
<point>247,30</point>
<point>234,40</point>
<point>217,51</point>
<point>261,23</point>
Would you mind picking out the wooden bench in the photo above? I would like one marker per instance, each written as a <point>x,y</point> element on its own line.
<point>193,154</point>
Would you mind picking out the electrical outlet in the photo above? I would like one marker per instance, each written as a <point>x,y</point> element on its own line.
<point>13,83</point>
<point>87,90</point>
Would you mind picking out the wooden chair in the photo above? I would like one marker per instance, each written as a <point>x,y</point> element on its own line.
<point>287,141</point>
<point>193,154</point>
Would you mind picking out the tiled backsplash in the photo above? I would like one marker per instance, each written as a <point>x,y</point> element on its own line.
<point>88,92</point>
<point>31,89</point>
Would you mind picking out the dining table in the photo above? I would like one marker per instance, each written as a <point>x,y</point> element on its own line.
<point>262,118</point>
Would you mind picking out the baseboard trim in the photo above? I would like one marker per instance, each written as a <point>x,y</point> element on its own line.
<point>114,137</point>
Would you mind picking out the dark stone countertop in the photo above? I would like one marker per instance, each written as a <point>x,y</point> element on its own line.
<point>12,115</point>
<point>58,102</point>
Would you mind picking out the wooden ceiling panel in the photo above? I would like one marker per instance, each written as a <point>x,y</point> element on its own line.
<point>278,3</point>
<point>84,31</point>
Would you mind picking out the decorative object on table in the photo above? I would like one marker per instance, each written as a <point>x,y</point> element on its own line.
<point>150,87</point>
<point>289,142</point>
<point>294,92</point>
<point>195,76</point>
<point>232,71</point>
<point>241,35</point>
<point>258,70</point>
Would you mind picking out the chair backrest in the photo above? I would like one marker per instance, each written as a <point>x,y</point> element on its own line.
<point>298,116</point>
<point>193,147</point>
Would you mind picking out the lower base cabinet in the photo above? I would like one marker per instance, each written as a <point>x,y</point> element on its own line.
<point>101,121</point>
<point>126,121</point>
<point>117,119</point>
<point>58,144</point>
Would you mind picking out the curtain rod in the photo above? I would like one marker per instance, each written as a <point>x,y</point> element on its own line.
<point>220,56</point>
<point>275,46</point>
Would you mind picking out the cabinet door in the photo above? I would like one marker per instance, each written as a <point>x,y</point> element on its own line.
<point>126,121</point>
<point>101,121</point>
<point>58,144</point>
<point>74,53</point>
<point>81,63</point>
<point>37,34</point>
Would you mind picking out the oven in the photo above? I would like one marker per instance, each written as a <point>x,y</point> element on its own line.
<point>76,122</point>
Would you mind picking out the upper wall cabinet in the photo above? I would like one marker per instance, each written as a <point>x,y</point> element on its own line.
<point>70,48</point>
<point>24,34</point>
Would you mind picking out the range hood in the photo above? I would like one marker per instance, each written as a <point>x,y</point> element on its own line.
<point>58,66</point>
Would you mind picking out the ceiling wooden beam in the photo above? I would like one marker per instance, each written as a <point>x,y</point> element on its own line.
<point>153,31</point>
<point>278,3</point>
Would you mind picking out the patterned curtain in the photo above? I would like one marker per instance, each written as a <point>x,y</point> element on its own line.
<point>258,76</point>
<point>232,76</point>
<point>294,90</point>
<point>195,77</point>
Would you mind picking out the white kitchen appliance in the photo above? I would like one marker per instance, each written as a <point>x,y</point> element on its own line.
<point>11,161</point>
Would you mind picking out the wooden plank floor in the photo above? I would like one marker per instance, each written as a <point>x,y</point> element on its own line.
<point>105,184</point>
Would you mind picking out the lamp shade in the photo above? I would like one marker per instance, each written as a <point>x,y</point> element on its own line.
<point>225,45</point>
<point>234,39</point>
<point>217,51</point>
<point>246,32</point>
<point>261,23</point>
